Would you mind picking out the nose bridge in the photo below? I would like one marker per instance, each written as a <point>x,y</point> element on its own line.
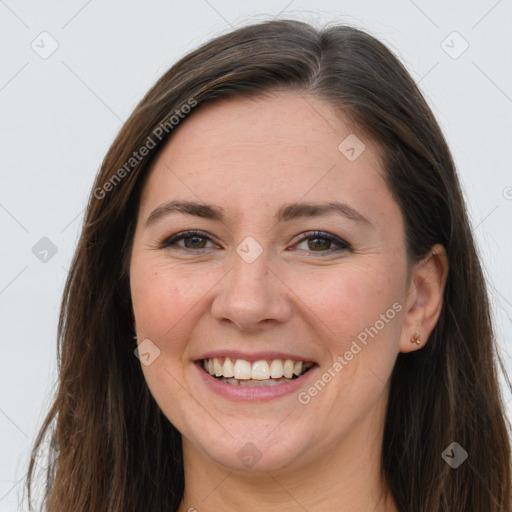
<point>250,270</point>
<point>248,293</point>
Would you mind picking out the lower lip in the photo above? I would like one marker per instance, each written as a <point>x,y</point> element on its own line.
<point>254,393</point>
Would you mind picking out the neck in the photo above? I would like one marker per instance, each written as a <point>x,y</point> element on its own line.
<point>344,478</point>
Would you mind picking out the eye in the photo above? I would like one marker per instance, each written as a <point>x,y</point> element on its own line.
<point>193,240</point>
<point>321,240</point>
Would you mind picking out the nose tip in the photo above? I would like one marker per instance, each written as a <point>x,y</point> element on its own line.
<point>250,296</point>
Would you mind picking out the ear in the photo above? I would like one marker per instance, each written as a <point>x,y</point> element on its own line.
<point>425,298</point>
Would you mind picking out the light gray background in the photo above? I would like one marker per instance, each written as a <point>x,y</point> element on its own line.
<point>60,114</point>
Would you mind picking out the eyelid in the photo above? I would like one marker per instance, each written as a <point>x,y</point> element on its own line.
<point>343,245</point>
<point>189,233</point>
<point>321,234</point>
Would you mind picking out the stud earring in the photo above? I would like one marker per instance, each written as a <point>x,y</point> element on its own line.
<point>134,336</point>
<point>415,338</point>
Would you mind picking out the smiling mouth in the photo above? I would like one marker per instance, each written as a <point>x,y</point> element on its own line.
<point>262,373</point>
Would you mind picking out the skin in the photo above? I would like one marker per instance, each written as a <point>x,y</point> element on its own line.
<point>250,156</point>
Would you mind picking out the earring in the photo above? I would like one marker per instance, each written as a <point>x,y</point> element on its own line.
<point>415,338</point>
<point>134,336</point>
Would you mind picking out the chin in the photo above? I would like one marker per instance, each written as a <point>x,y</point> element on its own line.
<point>254,452</point>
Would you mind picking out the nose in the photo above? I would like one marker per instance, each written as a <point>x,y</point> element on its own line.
<point>251,294</point>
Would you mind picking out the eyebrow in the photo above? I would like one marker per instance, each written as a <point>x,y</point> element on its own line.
<point>288,212</point>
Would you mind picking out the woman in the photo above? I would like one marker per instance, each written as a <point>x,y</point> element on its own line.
<point>276,303</point>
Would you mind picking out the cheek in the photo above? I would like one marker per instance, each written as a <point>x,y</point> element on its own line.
<point>163,304</point>
<point>361,305</point>
<point>163,301</point>
<point>350,299</point>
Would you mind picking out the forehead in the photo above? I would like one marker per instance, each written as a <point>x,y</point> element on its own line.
<point>248,153</point>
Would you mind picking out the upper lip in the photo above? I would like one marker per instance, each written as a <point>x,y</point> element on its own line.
<point>253,356</point>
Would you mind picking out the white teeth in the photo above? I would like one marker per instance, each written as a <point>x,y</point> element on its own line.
<point>276,369</point>
<point>228,370</point>
<point>217,367</point>
<point>241,369</point>
<point>260,370</point>
<point>288,368</point>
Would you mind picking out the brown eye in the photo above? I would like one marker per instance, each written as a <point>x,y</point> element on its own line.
<point>320,242</point>
<point>193,240</point>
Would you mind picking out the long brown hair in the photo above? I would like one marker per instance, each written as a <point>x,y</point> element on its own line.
<point>114,450</point>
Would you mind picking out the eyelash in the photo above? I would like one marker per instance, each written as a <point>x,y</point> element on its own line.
<point>342,245</point>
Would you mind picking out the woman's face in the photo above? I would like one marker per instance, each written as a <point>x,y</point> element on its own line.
<point>259,287</point>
